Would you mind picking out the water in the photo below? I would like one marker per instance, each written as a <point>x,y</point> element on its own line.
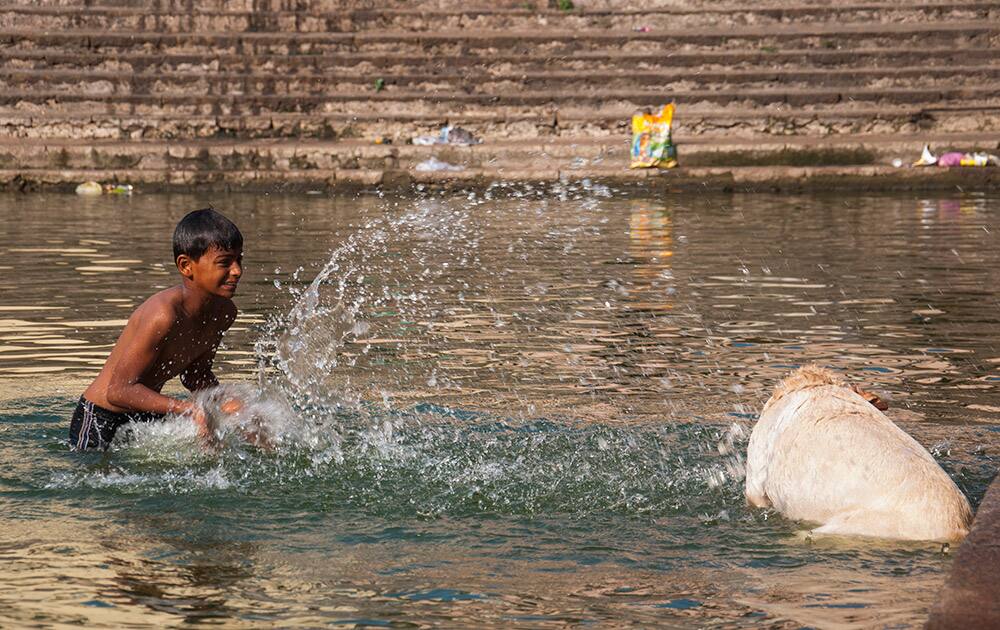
<point>520,409</point>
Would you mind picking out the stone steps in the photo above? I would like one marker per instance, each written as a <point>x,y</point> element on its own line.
<point>101,100</point>
<point>694,179</point>
<point>261,93</point>
<point>955,35</point>
<point>802,87</point>
<point>402,126</point>
<point>117,83</point>
<point>310,7</point>
<point>49,58</point>
<point>559,153</point>
<point>109,18</point>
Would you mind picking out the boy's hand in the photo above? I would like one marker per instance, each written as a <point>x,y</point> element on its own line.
<point>231,406</point>
<point>201,422</point>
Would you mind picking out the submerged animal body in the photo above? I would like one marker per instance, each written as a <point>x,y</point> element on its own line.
<point>821,452</point>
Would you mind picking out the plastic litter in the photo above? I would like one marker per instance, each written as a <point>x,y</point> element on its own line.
<point>956,158</point>
<point>89,188</point>
<point>435,164</point>
<point>652,139</point>
<point>93,188</point>
<point>448,135</point>
<point>118,189</point>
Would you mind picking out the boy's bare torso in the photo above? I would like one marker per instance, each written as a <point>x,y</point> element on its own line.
<point>180,344</point>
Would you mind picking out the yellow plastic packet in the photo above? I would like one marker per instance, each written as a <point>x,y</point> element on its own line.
<point>652,140</point>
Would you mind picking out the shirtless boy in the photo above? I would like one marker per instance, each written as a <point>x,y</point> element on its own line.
<point>174,333</point>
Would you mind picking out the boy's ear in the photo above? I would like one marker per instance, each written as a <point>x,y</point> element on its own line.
<point>185,265</point>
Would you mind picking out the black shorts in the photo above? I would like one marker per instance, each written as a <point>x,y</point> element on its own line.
<point>95,427</point>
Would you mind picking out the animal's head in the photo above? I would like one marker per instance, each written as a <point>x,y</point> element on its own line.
<point>809,376</point>
<point>879,404</point>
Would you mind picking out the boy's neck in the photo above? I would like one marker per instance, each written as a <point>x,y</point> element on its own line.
<point>194,300</point>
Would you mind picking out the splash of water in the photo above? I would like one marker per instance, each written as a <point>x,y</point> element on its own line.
<point>374,322</point>
<point>354,298</point>
<point>431,461</point>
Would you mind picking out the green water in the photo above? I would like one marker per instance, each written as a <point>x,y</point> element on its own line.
<point>526,409</point>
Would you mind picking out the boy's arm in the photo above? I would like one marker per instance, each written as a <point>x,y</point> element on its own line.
<point>140,341</point>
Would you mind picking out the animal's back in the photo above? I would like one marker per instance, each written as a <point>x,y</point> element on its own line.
<point>824,454</point>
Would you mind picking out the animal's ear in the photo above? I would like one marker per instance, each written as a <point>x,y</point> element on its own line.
<point>877,402</point>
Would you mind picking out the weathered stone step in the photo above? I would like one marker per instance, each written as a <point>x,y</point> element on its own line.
<point>697,179</point>
<point>56,59</point>
<point>981,34</point>
<point>114,84</point>
<point>343,101</point>
<point>140,18</point>
<point>332,155</point>
<point>501,123</point>
<point>311,7</point>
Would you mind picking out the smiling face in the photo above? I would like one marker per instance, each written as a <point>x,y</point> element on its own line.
<point>217,271</point>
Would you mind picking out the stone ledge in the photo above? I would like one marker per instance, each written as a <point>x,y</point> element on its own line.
<point>90,38</point>
<point>971,596</point>
<point>701,179</point>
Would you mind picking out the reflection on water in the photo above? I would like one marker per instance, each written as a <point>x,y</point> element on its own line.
<point>525,408</point>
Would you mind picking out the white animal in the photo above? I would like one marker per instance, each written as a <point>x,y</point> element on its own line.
<point>822,452</point>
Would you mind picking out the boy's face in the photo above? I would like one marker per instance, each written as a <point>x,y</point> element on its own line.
<point>217,271</point>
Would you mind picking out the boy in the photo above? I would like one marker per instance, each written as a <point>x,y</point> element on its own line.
<point>174,333</point>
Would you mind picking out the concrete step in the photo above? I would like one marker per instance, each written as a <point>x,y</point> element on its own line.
<point>272,93</point>
<point>447,78</point>
<point>560,153</point>
<point>684,179</point>
<point>108,18</point>
<point>957,35</point>
<point>118,83</point>
<point>493,125</point>
<point>497,123</point>
<point>794,59</point>
<point>328,6</point>
<point>392,101</point>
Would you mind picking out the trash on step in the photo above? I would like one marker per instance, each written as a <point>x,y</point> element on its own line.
<point>448,135</point>
<point>382,140</point>
<point>457,135</point>
<point>643,29</point>
<point>379,84</point>
<point>93,188</point>
<point>435,164</point>
<point>89,188</point>
<point>652,139</point>
<point>897,162</point>
<point>118,189</point>
<point>956,158</point>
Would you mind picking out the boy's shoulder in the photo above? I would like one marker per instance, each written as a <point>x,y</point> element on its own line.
<point>161,309</point>
<point>166,309</point>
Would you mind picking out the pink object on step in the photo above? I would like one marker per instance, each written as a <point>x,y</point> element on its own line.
<point>951,159</point>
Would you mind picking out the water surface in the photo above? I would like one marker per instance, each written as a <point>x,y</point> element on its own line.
<point>525,408</point>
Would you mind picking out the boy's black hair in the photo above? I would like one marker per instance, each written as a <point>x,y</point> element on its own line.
<point>202,229</point>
